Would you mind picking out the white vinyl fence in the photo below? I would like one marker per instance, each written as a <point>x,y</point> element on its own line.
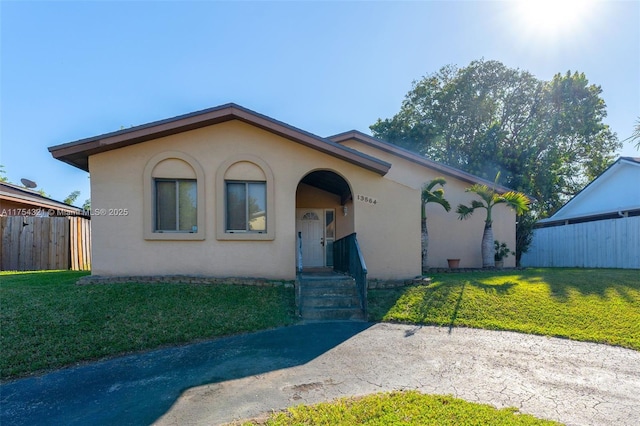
<point>611,243</point>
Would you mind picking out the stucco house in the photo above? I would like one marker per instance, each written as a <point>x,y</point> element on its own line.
<point>227,192</point>
<point>598,227</point>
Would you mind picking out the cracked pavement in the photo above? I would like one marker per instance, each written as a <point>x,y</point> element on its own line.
<point>572,382</point>
<point>251,375</point>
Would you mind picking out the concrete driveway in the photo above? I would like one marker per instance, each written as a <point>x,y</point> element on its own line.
<point>246,376</point>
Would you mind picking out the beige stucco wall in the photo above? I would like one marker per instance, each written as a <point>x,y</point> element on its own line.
<point>448,236</point>
<point>388,231</point>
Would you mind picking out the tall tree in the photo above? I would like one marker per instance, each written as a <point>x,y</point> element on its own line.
<point>430,195</point>
<point>546,138</point>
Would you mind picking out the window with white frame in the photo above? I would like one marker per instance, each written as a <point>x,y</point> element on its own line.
<point>246,206</point>
<point>176,205</point>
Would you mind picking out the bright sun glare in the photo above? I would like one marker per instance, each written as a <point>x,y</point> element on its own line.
<point>551,19</point>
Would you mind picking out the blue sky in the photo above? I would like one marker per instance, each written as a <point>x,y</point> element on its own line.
<point>71,70</point>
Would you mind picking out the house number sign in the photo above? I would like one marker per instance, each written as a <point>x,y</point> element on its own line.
<point>367,199</point>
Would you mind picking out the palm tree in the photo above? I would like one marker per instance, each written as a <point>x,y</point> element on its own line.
<point>490,197</point>
<point>429,195</point>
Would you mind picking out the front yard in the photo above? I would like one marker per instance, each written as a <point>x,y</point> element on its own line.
<point>47,321</point>
<point>597,305</point>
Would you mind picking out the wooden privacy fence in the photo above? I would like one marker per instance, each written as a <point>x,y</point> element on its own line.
<point>611,243</point>
<point>32,243</point>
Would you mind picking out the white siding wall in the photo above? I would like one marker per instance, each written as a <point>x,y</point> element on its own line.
<point>614,190</point>
<point>613,243</point>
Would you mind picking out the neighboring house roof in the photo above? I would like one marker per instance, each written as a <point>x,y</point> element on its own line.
<point>33,200</point>
<point>613,193</point>
<point>77,153</point>
<point>414,157</point>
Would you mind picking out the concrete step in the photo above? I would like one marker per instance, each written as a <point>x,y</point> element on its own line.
<point>326,276</point>
<point>332,314</point>
<point>326,298</point>
<point>351,301</point>
<point>338,283</point>
<point>328,291</point>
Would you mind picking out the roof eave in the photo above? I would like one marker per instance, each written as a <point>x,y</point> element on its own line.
<point>632,161</point>
<point>40,202</point>
<point>77,153</point>
<point>417,158</point>
<point>588,216</point>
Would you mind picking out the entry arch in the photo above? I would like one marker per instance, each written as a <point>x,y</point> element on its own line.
<point>324,213</point>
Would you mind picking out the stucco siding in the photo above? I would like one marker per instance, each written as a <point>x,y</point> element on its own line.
<point>449,238</point>
<point>120,248</point>
<point>389,230</point>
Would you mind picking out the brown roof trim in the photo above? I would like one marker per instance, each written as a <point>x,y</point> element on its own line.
<point>77,153</point>
<point>413,157</point>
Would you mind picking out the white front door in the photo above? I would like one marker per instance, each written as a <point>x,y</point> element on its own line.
<point>310,222</point>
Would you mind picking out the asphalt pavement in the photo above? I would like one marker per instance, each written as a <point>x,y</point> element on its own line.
<point>249,375</point>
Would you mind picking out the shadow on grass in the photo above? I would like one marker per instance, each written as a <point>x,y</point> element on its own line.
<point>501,288</point>
<point>425,304</point>
<point>416,304</point>
<point>39,278</point>
<point>433,301</point>
<point>587,282</point>
<point>440,302</point>
<point>454,314</point>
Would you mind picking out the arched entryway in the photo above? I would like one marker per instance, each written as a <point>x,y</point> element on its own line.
<point>324,213</point>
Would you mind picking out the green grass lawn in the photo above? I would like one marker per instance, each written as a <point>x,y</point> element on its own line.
<point>401,408</point>
<point>47,321</point>
<point>598,305</point>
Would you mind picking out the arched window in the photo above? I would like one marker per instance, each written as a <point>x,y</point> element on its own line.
<point>310,216</point>
<point>244,200</point>
<point>173,198</point>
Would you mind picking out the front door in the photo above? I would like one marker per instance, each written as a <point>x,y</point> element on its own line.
<point>310,222</point>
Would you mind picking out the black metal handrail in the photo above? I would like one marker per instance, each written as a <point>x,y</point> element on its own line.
<point>299,253</point>
<point>347,258</point>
